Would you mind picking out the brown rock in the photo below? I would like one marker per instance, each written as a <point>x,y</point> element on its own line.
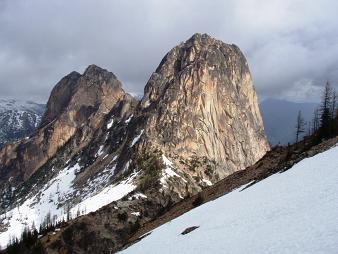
<point>200,103</point>
<point>77,104</point>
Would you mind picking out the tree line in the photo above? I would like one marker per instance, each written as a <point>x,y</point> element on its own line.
<point>324,123</point>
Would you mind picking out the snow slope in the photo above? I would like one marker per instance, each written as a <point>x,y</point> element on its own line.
<point>53,199</point>
<point>292,212</point>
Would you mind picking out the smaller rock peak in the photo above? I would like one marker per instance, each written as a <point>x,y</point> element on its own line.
<point>199,38</point>
<point>94,72</point>
<point>74,75</point>
<point>93,69</point>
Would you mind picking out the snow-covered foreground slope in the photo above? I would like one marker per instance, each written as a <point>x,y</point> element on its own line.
<point>292,212</point>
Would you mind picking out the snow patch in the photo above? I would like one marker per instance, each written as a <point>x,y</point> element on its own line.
<point>136,139</point>
<point>207,182</point>
<point>129,118</point>
<point>168,171</point>
<point>110,124</point>
<point>100,151</point>
<point>137,196</point>
<point>136,213</point>
<point>106,196</point>
<point>126,167</point>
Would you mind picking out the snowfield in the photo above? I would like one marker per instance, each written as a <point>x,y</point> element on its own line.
<point>291,212</point>
<point>51,200</point>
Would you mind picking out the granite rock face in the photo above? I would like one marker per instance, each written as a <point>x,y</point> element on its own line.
<point>200,102</point>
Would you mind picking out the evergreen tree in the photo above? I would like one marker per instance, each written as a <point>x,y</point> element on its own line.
<point>326,109</point>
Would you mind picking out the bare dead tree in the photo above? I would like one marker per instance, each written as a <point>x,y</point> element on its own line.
<point>300,126</point>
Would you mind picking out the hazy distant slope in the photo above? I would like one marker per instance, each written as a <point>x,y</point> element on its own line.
<point>18,118</point>
<point>280,116</point>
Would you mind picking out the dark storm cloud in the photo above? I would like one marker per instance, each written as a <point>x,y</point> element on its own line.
<point>291,45</point>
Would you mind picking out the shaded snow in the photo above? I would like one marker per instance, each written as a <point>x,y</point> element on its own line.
<point>129,118</point>
<point>168,171</point>
<point>166,161</point>
<point>137,196</point>
<point>207,182</point>
<point>93,185</point>
<point>136,139</point>
<point>100,151</point>
<point>110,124</point>
<point>106,196</point>
<point>291,212</point>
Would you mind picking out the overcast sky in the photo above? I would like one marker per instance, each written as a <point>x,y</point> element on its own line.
<point>291,45</point>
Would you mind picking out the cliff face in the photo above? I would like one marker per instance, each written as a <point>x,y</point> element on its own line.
<point>77,105</point>
<point>200,102</point>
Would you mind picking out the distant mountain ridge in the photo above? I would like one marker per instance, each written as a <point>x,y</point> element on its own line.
<point>279,117</point>
<point>18,119</point>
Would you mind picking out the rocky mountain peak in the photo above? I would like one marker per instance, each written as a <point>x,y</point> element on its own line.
<point>76,90</point>
<point>95,72</point>
<point>75,110</point>
<point>201,102</point>
<point>60,97</point>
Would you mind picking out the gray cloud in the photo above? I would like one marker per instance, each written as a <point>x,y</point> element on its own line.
<point>291,45</point>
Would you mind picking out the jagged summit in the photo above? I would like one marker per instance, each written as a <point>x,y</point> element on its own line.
<point>76,89</point>
<point>94,70</point>
<point>200,38</point>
